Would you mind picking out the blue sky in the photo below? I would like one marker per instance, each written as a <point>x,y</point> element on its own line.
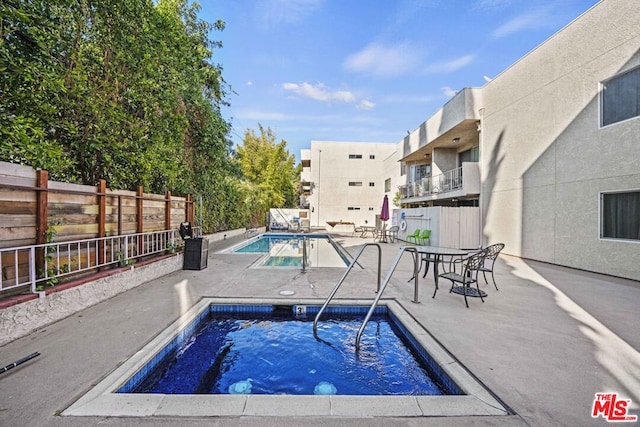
<point>367,70</point>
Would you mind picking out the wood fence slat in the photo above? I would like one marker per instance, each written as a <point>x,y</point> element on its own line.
<point>58,186</point>
<point>13,221</point>
<point>29,203</point>
<point>16,170</point>
<point>14,195</point>
<point>17,181</point>
<point>71,199</point>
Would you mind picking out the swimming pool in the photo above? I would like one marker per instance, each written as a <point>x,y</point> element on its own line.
<point>104,399</point>
<point>265,349</point>
<point>287,250</point>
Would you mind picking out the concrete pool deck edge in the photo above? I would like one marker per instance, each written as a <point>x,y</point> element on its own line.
<point>102,400</point>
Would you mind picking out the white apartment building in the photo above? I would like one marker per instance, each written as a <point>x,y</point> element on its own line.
<point>549,150</point>
<point>344,181</point>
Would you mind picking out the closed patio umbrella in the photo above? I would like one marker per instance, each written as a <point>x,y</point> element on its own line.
<point>384,214</point>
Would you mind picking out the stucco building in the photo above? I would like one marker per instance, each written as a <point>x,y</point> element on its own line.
<point>549,150</point>
<point>343,181</point>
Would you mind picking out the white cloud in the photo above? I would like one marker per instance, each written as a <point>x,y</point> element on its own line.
<point>383,60</point>
<point>525,21</point>
<point>275,12</point>
<point>448,92</point>
<point>319,92</point>
<point>249,83</point>
<point>365,104</point>
<point>450,66</point>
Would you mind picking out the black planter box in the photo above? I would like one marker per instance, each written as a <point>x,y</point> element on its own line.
<point>196,253</point>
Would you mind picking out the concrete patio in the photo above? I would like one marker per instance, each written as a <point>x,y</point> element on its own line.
<point>544,344</point>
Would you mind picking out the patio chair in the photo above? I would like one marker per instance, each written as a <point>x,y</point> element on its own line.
<point>491,253</point>
<point>380,233</point>
<point>470,269</point>
<point>413,236</point>
<point>425,236</point>
<point>392,233</point>
<point>357,229</point>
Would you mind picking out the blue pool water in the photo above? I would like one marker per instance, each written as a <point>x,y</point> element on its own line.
<point>287,250</point>
<point>276,353</point>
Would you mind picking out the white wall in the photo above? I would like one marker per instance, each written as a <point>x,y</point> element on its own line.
<point>544,158</point>
<point>450,227</point>
<point>331,171</point>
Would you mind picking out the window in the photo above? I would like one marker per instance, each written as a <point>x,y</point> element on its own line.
<point>471,155</point>
<point>419,171</point>
<point>620,97</point>
<point>355,183</point>
<point>355,156</point>
<point>353,208</point>
<point>372,156</point>
<point>370,209</point>
<point>620,215</point>
<point>372,184</point>
<point>387,185</point>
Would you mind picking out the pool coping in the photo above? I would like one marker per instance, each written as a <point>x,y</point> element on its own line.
<point>263,257</point>
<point>231,249</point>
<point>102,400</point>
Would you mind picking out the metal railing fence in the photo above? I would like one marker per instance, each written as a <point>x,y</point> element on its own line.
<point>18,265</point>
<point>450,180</point>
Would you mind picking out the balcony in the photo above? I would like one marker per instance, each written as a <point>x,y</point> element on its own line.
<point>462,182</point>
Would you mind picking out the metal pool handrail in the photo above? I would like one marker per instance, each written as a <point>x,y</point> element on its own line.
<point>304,254</point>
<point>344,276</point>
<point>384,285</point>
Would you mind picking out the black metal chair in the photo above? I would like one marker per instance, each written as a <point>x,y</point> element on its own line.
<point>470,269</point>
<point>491,253</point>
<point>380,234</point>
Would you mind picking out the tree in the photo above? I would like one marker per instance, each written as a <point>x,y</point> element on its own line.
<point>32,85</point>
<point>122,90</point>
<point>269,172</point>
<point>128,91</point>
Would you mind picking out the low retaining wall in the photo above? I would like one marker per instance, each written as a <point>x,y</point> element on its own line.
<point>224,235</point>
<point>21,319</point>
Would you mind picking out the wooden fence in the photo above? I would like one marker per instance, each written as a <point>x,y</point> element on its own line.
<point>35,210</point>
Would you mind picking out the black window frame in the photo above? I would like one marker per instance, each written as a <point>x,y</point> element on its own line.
<point>620,215</point>
<point>620,98</point>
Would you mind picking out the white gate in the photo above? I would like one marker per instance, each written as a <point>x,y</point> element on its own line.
<point>454,227</point>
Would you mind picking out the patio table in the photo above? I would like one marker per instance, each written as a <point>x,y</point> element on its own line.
<point>367,229</point>
<point>433,254</point>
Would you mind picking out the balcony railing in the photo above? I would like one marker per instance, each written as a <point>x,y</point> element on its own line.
<point>19,265</point>
<point>432,185</point>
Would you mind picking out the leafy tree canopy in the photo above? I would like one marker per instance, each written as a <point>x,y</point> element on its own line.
<point>122,90</point>
<point>269,171</point>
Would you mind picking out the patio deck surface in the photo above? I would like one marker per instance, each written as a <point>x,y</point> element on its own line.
<point>545,344</point>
